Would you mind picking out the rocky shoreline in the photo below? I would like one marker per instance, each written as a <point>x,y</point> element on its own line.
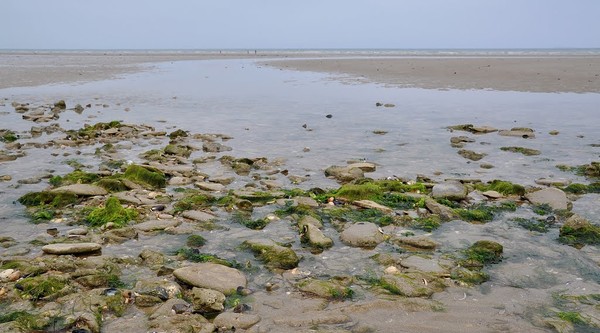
<point>64,281</point>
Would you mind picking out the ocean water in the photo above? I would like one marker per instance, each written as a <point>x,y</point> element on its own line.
<point>282,114</point>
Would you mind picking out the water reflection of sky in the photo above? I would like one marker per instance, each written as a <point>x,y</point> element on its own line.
<point>264,109</point>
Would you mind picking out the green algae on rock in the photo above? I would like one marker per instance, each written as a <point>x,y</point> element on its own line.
<point>145,176</point>
<point>522,150</point>
<point>273,254</point>
<point>578,232</point>
<point>485,252</point>
<point>111,212</point>
<point>501,186</point>
<point>52,199</point>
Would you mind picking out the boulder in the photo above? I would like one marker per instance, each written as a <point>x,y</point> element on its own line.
<point>198,215</point>
<point>71,248</point>
<point>555,198</point>
<point>344,174</point>
<point>451,190</point>
<point>82,189</point>
<point>362,234</point>
<point>212,276</point>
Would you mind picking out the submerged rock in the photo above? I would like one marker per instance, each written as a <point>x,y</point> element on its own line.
<point>273,254</point>
<point>233,321</point>
<point>522,132</point>
<point>207,300</point>
<point>471,155</point>
<point>415,284</point>
<point>578,231</point>
<point>82,189</point>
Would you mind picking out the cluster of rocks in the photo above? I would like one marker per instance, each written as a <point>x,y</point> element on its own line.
<point>73,285</point>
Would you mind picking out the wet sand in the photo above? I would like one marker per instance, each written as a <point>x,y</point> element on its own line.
<point>579,74</point>
<point>528,74</point>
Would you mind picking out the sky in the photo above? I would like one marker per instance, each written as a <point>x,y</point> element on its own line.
<point>295,24</point>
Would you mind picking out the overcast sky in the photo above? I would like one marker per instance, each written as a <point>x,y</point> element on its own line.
<point>260,24</point>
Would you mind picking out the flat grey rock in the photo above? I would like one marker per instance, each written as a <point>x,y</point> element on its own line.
<point>362,234</point>
<point>555,198</point>
<point>212,276</point>
<point>71,248</point>
<point>155,225</point>
<point>198,215</point>
<point>451,190</point>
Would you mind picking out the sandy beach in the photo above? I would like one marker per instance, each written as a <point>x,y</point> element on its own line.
<point>579,74</point>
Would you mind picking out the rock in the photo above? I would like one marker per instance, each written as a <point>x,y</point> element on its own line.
<point>274,255</point>
<point>344,174</point>
<point>235,321</point>
<point>207,300</point>
<point>214,147</point>
<point>9,275</point>
<point>156,225</point>
<point>444,212</point>
<point>5,178</point>
<point>77,232</point>
<point>553,181</point>
<point>152,258</point>
<point>483,129</point>
<point>221,180</point>
<point>308,219</point>
<point>82,189</point>
<point>120,235</point>
<point>419,242</point>
<point>198,215</point>
<point>167,309</point>
<point>329,289</point>
<point>485,252</point>
<point>459,141</point>
<point>212,276</point>
<point>471,155</point>
<point>578,231</point>
<point>368,204</point>
<point>312,235</point>
<point>555,198</point>
<point>414,284</point>
<point>176,323</point>
<point>492,194</point>
<point>451,190</point>
<point>421,264</point>
<point>522,150</point>
<point>60,105</point>
<point>307,201</point>
<point>362,234</point>
<point>71,248</point>
<point>178,181</point>
<point>364,166</point>
<point>213,187</point>
<point>525,133</point>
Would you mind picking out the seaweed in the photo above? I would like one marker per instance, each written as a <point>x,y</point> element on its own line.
<point>52,199</point>
<point>112,212</point>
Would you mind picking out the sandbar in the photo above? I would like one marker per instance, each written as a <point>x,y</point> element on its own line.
<point>542,73</point>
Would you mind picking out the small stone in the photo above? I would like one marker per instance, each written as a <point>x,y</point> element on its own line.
<point>156,225</point>
<point>362,234</point>
<point>208,186</point>
<point>492,194</point>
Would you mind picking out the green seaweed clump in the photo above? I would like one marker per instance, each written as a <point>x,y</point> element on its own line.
<point>578,232</point>
<point>479,213</point>
<point>359,192</point>
<point>522,150</point>
<point>178,134</point>
<point>485,252</point>
<point>52,199</point>
<point>358,215</point>
<point>538,225</point>
<point>41,287</point>
<point>112,212</point>
<point>192,201</point>
<point>145,176</point>
<point>195,241</point>
<point>469,276</point>
<point>274,255</point>
<point>92,131</point>
<point>75,177</point>
<point>8,136</point>
<point>112,185</point>
<point>245,220</point>
<point>577,188</point>
<point>428,223</point>
<point>572,317</point>
<point>502,186</point>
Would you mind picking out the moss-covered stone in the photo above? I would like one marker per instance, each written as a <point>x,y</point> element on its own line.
<point>194,200</point>
<point>8,136</point>
<point>522,150</point>
<point>468,276</point>
<point>415,284</point>
<point>52,199</point>
<point>75,177</point>
<point>178,150</point>
<point>274,255</point>
<point>111,212</point>
<point>112,185</point>
<point>196,256</point>
<point>195,241</point>
<point>41,287</point>
<point>485,252</point>
<point>247,221</point>
<point>145,176</point>
<point>93,131</point>
<point>578,232</point>
<point>333,289</point>
<point>471,155</point>
<point>178,134</point>
<point>359,192</point>
<point>502,186</point>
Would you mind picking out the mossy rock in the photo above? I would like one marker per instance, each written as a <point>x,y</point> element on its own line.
<point>112,212</point>
<point>194,201</point>
<point>273,255</point>
<point>414,284</point>
<point>334,289</point>
<point>195,241</point>
<point>468,276</point>
<point>8,136</point>
<point>75,177</point>
<point>578,232</point>
<point>502,186</point>
<point>145,176</point>
<point>471,155</point>
<point>178,134</point>
<point>112,185</point>
<point>195,255</point>
<point>93,131</point>
<point>359,192</point>
<point>485,252</point>
<point>52,199</point>
<point>42,287</point>
<point>522,150</point>
<point>178,150</point>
